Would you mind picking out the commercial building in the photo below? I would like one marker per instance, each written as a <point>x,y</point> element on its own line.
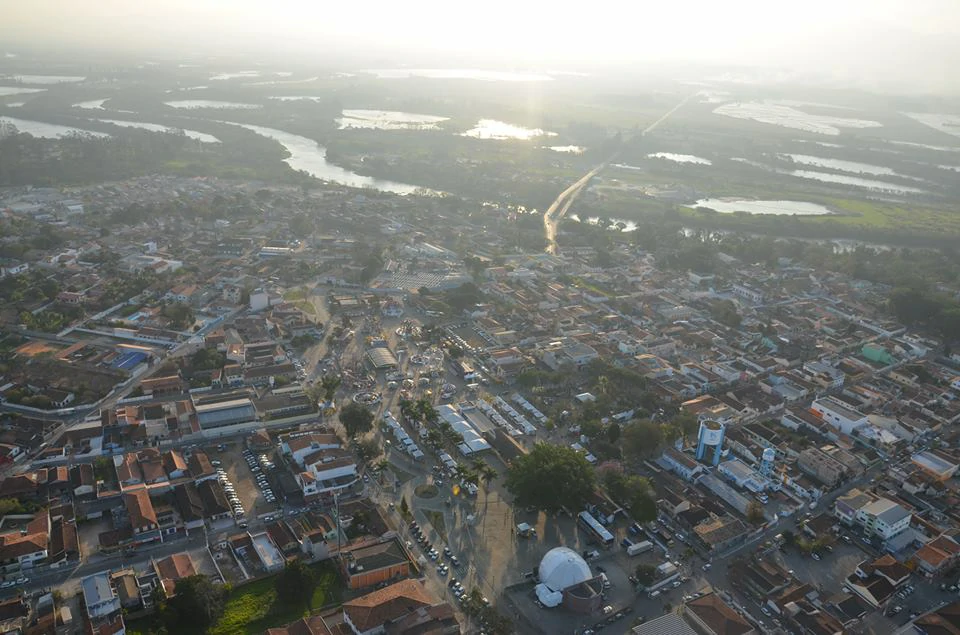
<point>838,414</point>
<point>821,466</point>
<point>225,413</point>
<point>883,518</point>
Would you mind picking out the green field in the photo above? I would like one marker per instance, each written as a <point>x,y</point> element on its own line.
<point>253,608</point>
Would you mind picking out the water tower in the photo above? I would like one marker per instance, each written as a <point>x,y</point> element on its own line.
<point>767,462</point>
<point>710,441</point>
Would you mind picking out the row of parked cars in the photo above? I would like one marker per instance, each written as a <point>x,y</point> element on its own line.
<point>231,493</point>
<point>258,465</point>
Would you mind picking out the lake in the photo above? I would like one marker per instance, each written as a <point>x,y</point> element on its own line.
<point>45,79</point>
<point>870,184</point>
<point>567,149</point>
<point>780,114</point>
<point>778,208</point>
<point>311,157</point>
<point>17,90</point>
<point>43,130</point>
<point>927,146</point>
<point>680,158</point>
<point>280,82</point>
<point>154,127</point>
<point>235,75</point>
<point>844,166</point>
<point>208,103</point>
<point>458,73</point>
<point>93,104</point>
<point>388,120</point>
<point>499,130</point>
<point>947,124</point>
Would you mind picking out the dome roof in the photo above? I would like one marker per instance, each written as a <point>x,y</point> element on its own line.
<point>563,567</point>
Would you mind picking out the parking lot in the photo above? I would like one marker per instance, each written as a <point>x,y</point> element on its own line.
<point>244,481</point>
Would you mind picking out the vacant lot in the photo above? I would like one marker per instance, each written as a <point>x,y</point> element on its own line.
<point>253,608</point>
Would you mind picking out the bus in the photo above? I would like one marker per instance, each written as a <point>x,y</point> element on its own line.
<point>595,529</point>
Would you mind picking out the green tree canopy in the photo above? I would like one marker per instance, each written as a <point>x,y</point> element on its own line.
<point>197,605</point>
<point>295,583</point>
<point>641,439</point>
<point>356,419</point>
<point>551,477</point>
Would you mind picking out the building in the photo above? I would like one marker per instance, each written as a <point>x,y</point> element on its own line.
<point>99,598</point>
<point>225,413</point>
<point>848,505</point>
<point>565,578</point>
<point>368,565</point>
<point>937,465</point>
<point>822,467</point>
<point>743,476</point>
<point>313,625</point>
<point>768,462</point>
<point>710,441</point>
<point>173,568</point>
<point>404,608</point>
<point>681,464</point>
<point>937,556</point>
<point>142,516</point>
<point>883,518</point>
<point>838,414</point>
<point>710,615</point>
<point>669,624</point>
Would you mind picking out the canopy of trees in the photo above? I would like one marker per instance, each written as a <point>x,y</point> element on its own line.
<point>197,605</point>
<point>356,419</point>
<point>551,477</point>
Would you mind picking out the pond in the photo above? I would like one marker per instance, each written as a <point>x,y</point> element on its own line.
<point>93,104</point>
<point>567,149</point>
<point>844,166</point>
<point>388,120</point>
<point>44,79</point>
<point>778,208</point>
<point>869,184</point>
<point>209,103</point>
<point>17,90</point>
<point>499,130</point>
<point>780,114</point>
<point>680,158</point>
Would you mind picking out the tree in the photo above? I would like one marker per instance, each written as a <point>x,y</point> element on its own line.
<point>295,583</point>
<point>755,515</point>
<point>404,508</point>
<point>646,574</point>
<point>641,439</point>
<point>197,605</point>
<point>789,538</point>
<point>329,384</point>
<point>551,477</point>
<point>356,419</point>
<point>613,432</point>
<point>368,449</point>
<point>643,505</point>
<point>455,352</point>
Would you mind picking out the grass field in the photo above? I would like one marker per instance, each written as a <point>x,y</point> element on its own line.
<point>253,608</point>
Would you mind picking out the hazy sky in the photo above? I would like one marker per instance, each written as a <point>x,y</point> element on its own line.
<point>896,40</point>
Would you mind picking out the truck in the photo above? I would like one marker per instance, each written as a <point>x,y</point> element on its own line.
<point>639,547</point>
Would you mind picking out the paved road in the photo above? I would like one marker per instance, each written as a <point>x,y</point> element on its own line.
<point>559,208</point>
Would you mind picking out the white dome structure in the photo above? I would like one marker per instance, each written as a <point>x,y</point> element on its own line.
<point>562,568</point>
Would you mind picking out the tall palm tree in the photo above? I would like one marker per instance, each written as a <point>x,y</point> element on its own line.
<point>603,384</point>
<point>488,473</point>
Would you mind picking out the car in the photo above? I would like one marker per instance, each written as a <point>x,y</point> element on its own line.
<point>676,585</point>
<point>896,610</point>
<point>454,561</point>
<point>366,479</point>
<point>413,524</point>
<point>7,584</point>
<point>815,555</point>
<point>765,611</point>
<point>452,582</point>
<point>447,552</point>
<point>243,525</point>
<point>22,579</point>
<point>433,555</point>
<point>706,567</point>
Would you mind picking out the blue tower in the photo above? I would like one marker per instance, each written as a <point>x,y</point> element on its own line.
<point>767,462</point>
<point>710,442</point>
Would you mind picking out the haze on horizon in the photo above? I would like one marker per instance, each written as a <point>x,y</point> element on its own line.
<point>884,44</point>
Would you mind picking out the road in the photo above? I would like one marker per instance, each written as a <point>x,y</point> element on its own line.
<point>559,208</point>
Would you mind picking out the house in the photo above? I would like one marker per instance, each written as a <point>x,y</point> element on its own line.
<point>368,565</point>
<point>189,505</point>
<point>142,516</point>
<point>313,625</point>
<point>128,590</point>
<point>821,466</point>
<point>401,608</point>
<point>23,550</point>
<point>710,615</point>
<point>99,597</point>
<point>937,556</point>
<point>83,480</point>
<point>214,499</point>
<point>199,466</point>
<point>943,621</point>
<point>173,568</point>
<point>300,446</point>
<point>681,464</point>
<point>848,505</point>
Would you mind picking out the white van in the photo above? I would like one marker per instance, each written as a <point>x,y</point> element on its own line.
<point>654,594</point>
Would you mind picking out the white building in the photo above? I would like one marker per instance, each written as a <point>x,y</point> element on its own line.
<point>839,415</point>
<point>883,518</point>
<point>682,464</point>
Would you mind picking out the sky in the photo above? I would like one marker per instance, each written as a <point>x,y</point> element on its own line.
<point>916,41</point>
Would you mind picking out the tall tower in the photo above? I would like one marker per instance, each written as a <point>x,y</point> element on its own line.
<point>710,441</point>
<point>767,462</point>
